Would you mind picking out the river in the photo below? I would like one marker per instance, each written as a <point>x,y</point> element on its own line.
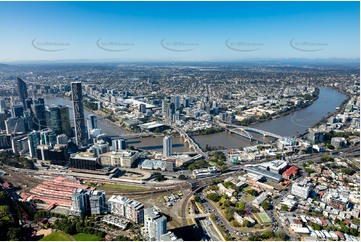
<point>329,99</point>
<point>288,125</point>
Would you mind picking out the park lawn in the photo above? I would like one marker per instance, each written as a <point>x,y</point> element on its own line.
<point>86,237</point>
<point>58,236</point>
<point>121,187</point>
<point>247,197</point>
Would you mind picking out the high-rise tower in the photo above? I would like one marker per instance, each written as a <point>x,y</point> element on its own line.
<point>167,146</point>
<point>22,90</point>
<point>80,129</point>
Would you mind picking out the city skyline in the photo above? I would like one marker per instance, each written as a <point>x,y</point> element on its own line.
<point>179,31</point>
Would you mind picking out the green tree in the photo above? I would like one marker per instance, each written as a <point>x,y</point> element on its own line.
<point>266,205</point>
<point>267,235</point>
<point>241,206</point>
<point>284,208</point>
<point>14,233</point>
<point>213,197</point>
<point>182,177</point>
<point>246,223</point>
<point>197,199</point>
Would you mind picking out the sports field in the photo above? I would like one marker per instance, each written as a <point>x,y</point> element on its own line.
<point>263,218</point>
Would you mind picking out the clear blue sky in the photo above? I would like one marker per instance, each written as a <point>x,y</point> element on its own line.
<point>204,27</point>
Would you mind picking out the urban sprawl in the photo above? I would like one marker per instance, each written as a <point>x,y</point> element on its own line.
<point>63,174</point>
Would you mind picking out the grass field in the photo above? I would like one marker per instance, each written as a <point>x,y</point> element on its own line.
<point>86,237</point>
<point>247,197</point>
<point>58,236</point>
<point>61,236</point>
<point>263,218</point>
<point>120,187</point>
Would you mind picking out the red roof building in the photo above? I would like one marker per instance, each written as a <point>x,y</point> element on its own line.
<point>290,173</point>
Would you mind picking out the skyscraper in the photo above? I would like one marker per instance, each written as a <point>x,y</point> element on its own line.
<point>53,119</point>
<point>22,90</point>
<point>33,142</point>
<point>167,146</point>
<point>13,125</point>
<point>176,102</point>
<point>93,121</point>
<point>65,120</point>
<point>17,111</point>
<point>2,104</point>
<point>39,112</point>
<point>91,124</point>
<point>3,117</point>
<point>80,130</point>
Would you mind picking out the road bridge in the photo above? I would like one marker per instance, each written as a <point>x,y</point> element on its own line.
<point>247,131</point>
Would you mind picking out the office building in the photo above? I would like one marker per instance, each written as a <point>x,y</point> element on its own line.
<point>53,119</point>
<point>167,146</point>
<point>300,191</point>
<point>33,142</point>
<point>226,117</point>
<point>316,136</point>
<point>39,113</point>
<point>176,102</point>
<point>142,108</point>
<point>28,121</point>
<point>14,125</point>
<point>5,141</point>
<point>62,139</point>
<point>17,111</point>
<point>3,117</point>
<point>275,166</point>
<point>91,124</point>
<point>47,137</point>
<point>122,158</point>
<point>28,103</point>
<point>93,121</point>
<point>21,90</point>
<point>99,147</point>
<point>2,104</point>
<point>57,154</point>
<point>155,224</point>
<point>65,120</point>
<point>127,208</point>
<point>20,144</point>
<point>255,170</point>
<point>84,160</point>
<point>80,129</point>
<point>338,142</point>
<point>118,144</point>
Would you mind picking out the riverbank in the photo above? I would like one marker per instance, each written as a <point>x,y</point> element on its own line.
<point>296,123</point>
<point>315,96</point>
